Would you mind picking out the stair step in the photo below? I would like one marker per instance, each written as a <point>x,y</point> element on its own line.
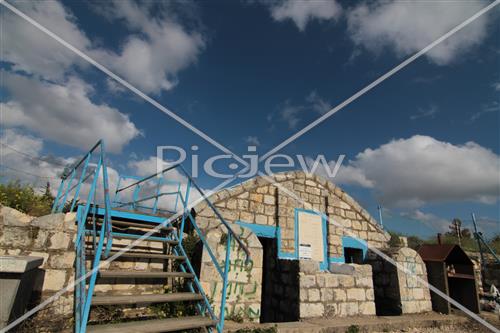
<point>139,225</point>
<point>142,274</point>
<point>149,239</point>
<point>152,298</point>
<point>154,326</point>
<point>136,236</point>
<point>144,255</point>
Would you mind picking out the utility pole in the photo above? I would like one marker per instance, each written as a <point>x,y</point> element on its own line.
<point>380,215</point>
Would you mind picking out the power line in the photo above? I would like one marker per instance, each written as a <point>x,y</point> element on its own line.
<point>27,173</point>
<point>31,156</point>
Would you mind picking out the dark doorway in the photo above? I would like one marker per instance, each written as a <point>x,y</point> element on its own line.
<point>353,255</point>
<point>269,256</point>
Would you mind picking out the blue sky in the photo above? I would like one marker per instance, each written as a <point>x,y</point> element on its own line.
<point>424,143</point>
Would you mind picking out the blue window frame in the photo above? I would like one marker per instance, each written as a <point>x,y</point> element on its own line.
<point>351,242</point>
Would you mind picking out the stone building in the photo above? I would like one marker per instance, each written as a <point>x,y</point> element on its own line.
<point>308,256</point>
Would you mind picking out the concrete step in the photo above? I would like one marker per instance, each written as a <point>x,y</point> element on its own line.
<point>154,326</point>
<point>140,299</point>
<point>143,274</point>
<point>143,255</point>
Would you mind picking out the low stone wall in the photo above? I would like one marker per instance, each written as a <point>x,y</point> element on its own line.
<point>397,292</point>
<point>349,292</point>
<point>52,238</point>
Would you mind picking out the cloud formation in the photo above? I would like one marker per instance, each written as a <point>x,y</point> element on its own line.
<point>411,172</point>
<point>406,27</point>
<point>157,49</point>
<point>302,12</point>
<point>65,113</point>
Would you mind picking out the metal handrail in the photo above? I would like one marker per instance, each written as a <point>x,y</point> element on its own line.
<point>224,222</point>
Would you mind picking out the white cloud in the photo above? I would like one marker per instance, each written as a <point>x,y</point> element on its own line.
<point>429,112</point>
<point>493,107</point>
<point>408,26</point>
<point>65,113</point>
<point>159,48</point>
<point>156,50</point>
<point>304,11</point>
<point>252,140</point>
<point>496,86</point>
<point>290,113</point>
<point>31,50</point>
<point>22,158</point>
<point>433,221</point>
<point>318,104</point>
<point>419,170</point>
<point>152,165</point>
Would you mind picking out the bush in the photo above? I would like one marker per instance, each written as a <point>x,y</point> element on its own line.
<point>24,199</point>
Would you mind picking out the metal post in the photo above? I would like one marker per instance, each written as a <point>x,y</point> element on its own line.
<point>77,192</point>
<point>220,327</point>
<point>56,200</point>
<point>61,205</point>
<point>186,210</point>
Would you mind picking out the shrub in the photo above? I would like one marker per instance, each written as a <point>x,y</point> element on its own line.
<point>24,199</point>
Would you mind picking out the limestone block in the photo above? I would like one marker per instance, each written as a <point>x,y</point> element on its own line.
<point>247,217</point>
<point>59,240</point>
<point>314,295</point>
<point>41,239</point>
<point>242,204</point>
<point>333,280</point>
<point>307,281</point>
<point>261,219</point>
<point>65,260</point>
<point>269,199</point>
<point>50,222</point>
<point>54,279</point>
<point>367,308</point>
<point>12,217</point>
<point>339,295</point>
<point>308,266</point>
<point>346,281</point>
<point>256,197</point>
<point>15,237</point>
<point>356,294</point>
<point>327,294</point>
<point>311,310</point>
<point>370,295</point>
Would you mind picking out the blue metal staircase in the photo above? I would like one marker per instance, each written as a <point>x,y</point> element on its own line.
<point>144,211</point>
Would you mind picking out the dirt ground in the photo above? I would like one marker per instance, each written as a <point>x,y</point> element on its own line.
<point>469,327</point>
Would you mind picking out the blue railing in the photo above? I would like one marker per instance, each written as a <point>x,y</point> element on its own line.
<point>155,195</point>
<point>85,186</point>
<point>89,173</point>
<point>181,222</point>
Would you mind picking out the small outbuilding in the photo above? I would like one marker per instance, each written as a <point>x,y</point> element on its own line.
<point>451,271</point>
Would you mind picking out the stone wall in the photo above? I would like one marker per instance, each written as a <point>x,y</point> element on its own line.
<point>259,202</point>
<point>397,292</point>
<point>244,287</point>
<point>52,238</point>
<point>348,292</point>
